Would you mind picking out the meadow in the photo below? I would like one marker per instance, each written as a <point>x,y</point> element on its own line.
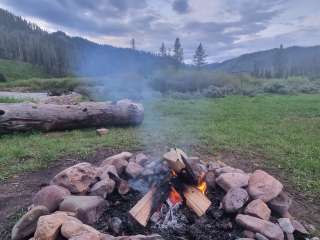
<point>284,130</point>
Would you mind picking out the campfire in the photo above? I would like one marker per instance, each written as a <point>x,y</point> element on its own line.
<point>182,185</point>
<point>176,197</point>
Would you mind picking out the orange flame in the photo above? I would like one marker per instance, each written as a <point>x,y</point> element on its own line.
<point>174,196</point>
<point>202,186</point>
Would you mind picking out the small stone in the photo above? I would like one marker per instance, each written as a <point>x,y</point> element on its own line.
<point>106,170</point>
<point>116,225</point>
<point>120,161</point>
<point>87,208</point>
<point>248,234</point>
<point>210,179</point>
<point>71,229</point>
<point>78,178</point>
<point>286,225</point>
<point>27,224</point>
<point>299,227</point>
<point>258,208</point>
<point>133,169</point>
<point>263,186</point>
<point>50,196</point>
<point>280,204</point>
<point>232,180</point>
<point>103,188</point>
<point>102,131</point>
<point>266,228</point>
<point>260,237</point>
<point>234,200</point>
<point>141,159</point>
<point>227,169</point>
<point>48,227</point>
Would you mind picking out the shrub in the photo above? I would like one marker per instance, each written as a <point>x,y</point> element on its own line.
<point>2,78</point>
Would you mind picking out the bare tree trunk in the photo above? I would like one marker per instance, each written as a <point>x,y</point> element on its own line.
<point>24,117</point>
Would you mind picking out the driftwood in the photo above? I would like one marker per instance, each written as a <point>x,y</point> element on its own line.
<point>24,117</point>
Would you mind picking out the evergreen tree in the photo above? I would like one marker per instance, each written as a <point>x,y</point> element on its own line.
<point>163,50</point>
<point>200,56</point>
<point>133,44</point>
<point>178,51</point>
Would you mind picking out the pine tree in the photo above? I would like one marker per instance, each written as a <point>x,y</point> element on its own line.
<point>133,44</point>
<point>163,50</point>
<point>178,51</point>
<point>200,56</point>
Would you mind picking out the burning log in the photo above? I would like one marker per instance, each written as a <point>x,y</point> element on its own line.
<point>196,200</point>
<point>141,212</point>
<point>24,117</point>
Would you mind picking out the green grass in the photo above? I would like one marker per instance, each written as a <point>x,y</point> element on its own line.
<point>9,100</point>
<point>14,70</point>
<point>283,129</point>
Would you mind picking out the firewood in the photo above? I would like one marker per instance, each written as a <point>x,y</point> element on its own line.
<point>174,159</point>
<point>196,200</point>
<point>23,117</point>
<point>141,212</point>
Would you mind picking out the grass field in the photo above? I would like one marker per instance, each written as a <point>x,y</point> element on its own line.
<point>284,129</point>
<point>14,70</point>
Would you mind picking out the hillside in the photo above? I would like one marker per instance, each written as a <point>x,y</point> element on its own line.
<point>14,70</point>
<point>60,54</point>
<point>278,62</point>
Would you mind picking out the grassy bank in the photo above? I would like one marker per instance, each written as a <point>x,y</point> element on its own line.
<point>284,129</point>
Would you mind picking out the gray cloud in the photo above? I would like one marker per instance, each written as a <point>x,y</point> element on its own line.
<point>181,6</point>
<point>232,28</point>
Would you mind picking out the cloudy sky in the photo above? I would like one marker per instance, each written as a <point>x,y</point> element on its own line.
<point>227,28</point>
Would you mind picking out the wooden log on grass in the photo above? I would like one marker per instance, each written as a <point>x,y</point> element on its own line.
<point>23,117</point>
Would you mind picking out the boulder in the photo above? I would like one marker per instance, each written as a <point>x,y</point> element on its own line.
<point>71,229</point>
<point>286,225</point>
<point>141,159</point>
<point>50,196</point>
<point>259,236</point>
<point>133,169</point>
<point>86,208</point>
<point>280,204</point>
<point>106,170</point>
<point>48,227</point>
<point>234,200</point>
<point>102,131</point>
<point>232,180</point>
<point>266,228</point>
<point>27,224</point>
<point>259,209</point>
<point>298,227</point>
<point>120,161</point>
<point>263,186</point>
<point>86,236</point>
<point>227,169</point>
<point>210,179</point>
<point>78,178</point>
<point>103,188</point>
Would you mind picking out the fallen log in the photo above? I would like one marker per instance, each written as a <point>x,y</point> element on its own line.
<point>23,117</point>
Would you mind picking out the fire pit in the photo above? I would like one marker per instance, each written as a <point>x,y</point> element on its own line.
<point>178,197</point>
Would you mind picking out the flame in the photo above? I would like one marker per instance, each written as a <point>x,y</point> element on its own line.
<point>174,196</point>
<point>202,186</point>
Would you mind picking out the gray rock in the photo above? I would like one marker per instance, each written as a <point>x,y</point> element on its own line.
<point>260,237</point>
<point>103,188</point>
<point>234,200</point>
<point>50,196</point>
<point>141,159</point>
<point>299,227</point>
<point>232,180</point>
<point>120,161</point>
<point>266,228</point>
<point>227,169</point>
<point>258,208</point>
<point>280,204</point>
<point>115,225</point>
<point>27,224</point>
<point>78,178</point>
<point>210,179</point>
<point>263,186</point>
<point>286,225</point>
<point>133,169</point>
<point>87,208</point>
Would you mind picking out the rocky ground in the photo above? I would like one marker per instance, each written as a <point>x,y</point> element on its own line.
<point>257,201</point>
